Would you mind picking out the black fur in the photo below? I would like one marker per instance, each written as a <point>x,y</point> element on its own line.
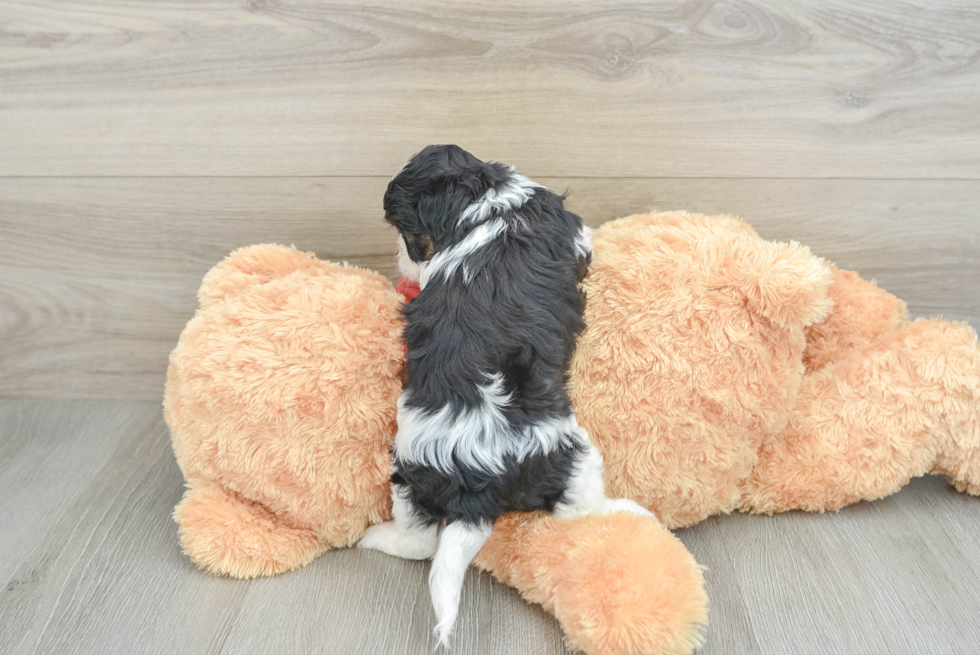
<point>518,316</point>
<point>470,494</point>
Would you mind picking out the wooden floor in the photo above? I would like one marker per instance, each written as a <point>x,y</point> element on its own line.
<point>141,141</point>
<point>90,564</point>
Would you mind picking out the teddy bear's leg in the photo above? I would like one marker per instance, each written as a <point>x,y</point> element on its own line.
<point>619,584</point>
<point>864,425</point>
<point>227,534</point>
<point>862,313</point>
<point>959,459</point>
<point>962,469</point>
<point>399,537</point>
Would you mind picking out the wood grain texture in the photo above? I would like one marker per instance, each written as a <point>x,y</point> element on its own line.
<point>107,575</point>
<point>874,577</point>
<point>98,276</point>
<point>366,602</point>
<point>682,88</point>
<point>47,460</point>
<point>89,563</point>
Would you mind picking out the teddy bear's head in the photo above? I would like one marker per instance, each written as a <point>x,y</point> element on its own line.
<point>281,403</point>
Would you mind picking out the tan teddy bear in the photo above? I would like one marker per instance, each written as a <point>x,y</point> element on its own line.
<point>718,372</point>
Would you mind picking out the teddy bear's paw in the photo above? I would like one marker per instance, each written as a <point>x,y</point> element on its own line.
<point>228,534</point>
<point>619,583</point>
<point>398,542</point>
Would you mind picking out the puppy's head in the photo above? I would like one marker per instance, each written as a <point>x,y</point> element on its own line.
<point>425,199</point>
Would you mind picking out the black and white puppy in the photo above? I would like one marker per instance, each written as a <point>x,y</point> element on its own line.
<point>485,424</point>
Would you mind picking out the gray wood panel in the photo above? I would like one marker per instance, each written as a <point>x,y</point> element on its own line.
<point>708,89</point>
<point>108,575</point>
<point>874,578</point>
<point>98,276</point>
<point>366,602</point>
<point>89,563</point>
<point>48,457</point>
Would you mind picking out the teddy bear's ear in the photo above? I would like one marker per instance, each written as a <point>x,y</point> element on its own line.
<point>247,266</point>
<point>266,262</point>
<point>784,282</point>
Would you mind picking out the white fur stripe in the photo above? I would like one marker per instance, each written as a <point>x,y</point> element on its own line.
<point>583,241</point>
<point>447,261</point>
<point>406,266</point>
<point>479,438</point>
<point>510,195</point>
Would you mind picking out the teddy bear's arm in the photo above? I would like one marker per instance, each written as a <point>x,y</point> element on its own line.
<point>861,314</point>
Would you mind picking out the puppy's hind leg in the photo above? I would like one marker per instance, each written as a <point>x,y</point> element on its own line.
<point>586,492</point>
<point>403,536</point>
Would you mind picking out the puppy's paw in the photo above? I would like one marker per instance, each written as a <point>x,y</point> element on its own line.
<point>407,544</point>
<point>383,537</point>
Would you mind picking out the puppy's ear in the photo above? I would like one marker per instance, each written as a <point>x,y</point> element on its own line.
<point>425,199</point>
<point>419,247</point>
<point>440,209</point>
<point>457,179</point>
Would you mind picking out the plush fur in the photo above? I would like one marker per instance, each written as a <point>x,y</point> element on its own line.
<point>718,372</point>
<point>281,403</point>
<point>692,359</point>
<point>620,584</point>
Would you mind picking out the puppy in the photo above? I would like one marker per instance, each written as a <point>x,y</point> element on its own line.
<point>485,424</point>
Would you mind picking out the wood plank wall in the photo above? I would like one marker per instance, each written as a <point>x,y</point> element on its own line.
<point>141,141</point>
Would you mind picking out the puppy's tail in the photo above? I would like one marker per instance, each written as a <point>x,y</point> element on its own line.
<point>458,545</point>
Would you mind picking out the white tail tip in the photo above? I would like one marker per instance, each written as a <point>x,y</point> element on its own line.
<point>458,545</point>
